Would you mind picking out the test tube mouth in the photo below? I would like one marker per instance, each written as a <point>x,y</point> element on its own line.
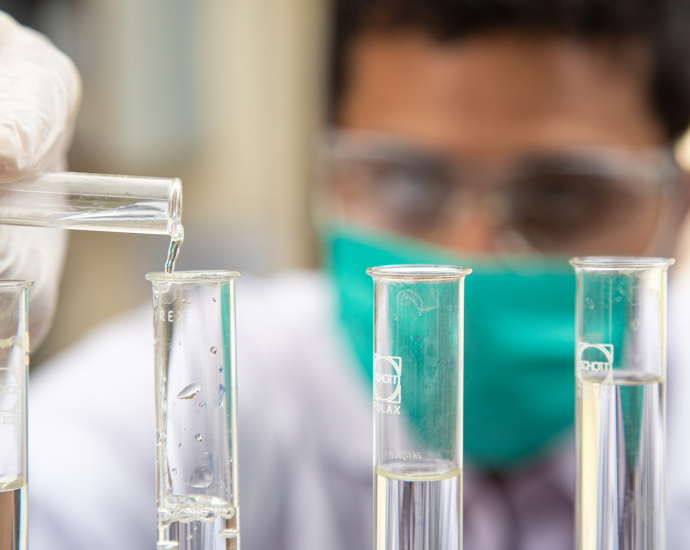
<point>192,276</point>
<point>14,284</point>
<point>419,272</point>
<point>175,229</point>
<point>620,262</point>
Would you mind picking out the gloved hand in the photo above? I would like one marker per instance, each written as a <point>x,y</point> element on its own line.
<point>40,93</point>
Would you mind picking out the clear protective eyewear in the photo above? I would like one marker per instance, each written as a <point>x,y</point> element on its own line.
<point>551,200</point>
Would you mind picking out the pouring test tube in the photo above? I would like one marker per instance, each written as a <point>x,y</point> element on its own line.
<point>196,410</point>
<point>621,403</point>
<point>96,202</point>
<point>418,352</point>
<point>14,366</point>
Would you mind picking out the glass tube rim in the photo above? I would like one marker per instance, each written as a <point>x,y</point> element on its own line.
<point>193,276</point>
<point>176,200</point>
<point>419,272</point>
<point>17,284</point>
<point>620,262</point>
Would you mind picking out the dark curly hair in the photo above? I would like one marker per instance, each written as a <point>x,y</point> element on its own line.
<point>662,25</point>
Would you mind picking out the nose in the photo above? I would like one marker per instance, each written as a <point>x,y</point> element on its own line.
<point>474,231</point>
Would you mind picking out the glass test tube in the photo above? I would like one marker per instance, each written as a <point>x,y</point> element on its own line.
<point>418,360</point>
<point>14,367</point>
<point>621,403</point>
<point>96,202</point>
<point>196,410</point>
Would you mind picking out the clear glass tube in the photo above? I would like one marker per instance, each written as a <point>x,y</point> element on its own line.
<point>196,410</point>
<point>96,202</point>
<point>621,403</point>
<point>14,365</point>
<point>418,360</point>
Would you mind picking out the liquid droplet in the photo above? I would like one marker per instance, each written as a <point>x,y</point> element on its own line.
<point>590,303</point>
<point>213,350</point>
<point>189,391</point>
<point>205,452</point>
<point>201,405</point>
<point>174,470</point>
<point>207,515</point>
<point>213,299</point>
<point>198,437</point>
<point>228,533</point>
<point>221,394</point>
<point>201,477</point>
<point>164,518</point>
<point>180,445</point>
<point>185,515</point>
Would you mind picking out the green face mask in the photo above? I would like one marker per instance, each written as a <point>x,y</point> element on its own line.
<point>519,387</point>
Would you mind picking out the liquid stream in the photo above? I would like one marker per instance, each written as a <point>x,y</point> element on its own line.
<point>173,252</point>
<point>417,511</point>
<point>621,462</point>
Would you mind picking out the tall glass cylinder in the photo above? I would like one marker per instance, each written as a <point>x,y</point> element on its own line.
<point>196,410</point>
<point>418,359</point>
<point>14,366</point>
<point>621,403</point>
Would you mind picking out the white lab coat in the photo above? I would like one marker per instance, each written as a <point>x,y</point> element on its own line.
<point>305,436</point>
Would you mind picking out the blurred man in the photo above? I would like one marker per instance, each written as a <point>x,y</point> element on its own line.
<point>506,135</point>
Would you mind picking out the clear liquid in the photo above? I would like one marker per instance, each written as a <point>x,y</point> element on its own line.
<point>621,486</point>
<point>13,514</point>
<point>173,251</point>
<point>176,232</point>
<point>418,512</point>
<point>197,523</point>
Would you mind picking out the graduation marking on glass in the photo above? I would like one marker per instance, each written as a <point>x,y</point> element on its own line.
<point>196,410</point>
<point>621,403</point>
<point>418,370</point>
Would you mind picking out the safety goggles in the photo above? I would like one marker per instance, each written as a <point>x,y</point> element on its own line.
<point>549,201</point>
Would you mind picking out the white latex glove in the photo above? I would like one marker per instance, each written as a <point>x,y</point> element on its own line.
<point>40,93</point>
